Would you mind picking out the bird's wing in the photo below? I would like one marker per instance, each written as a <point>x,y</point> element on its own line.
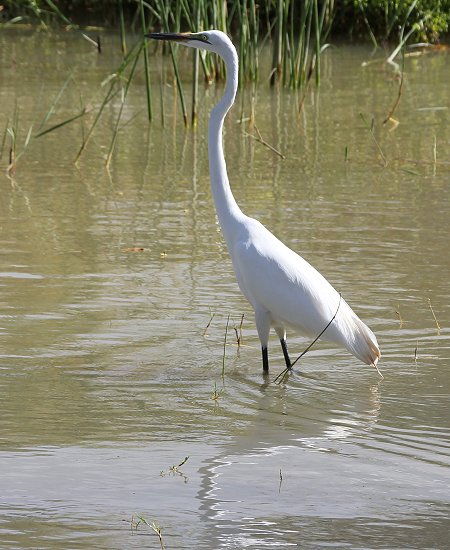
<point>275,278</point>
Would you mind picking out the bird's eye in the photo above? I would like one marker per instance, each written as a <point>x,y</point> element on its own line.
<point>204,38</point>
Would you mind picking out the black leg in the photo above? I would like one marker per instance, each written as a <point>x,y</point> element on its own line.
<point>265,358</point>
<point>285,353</point>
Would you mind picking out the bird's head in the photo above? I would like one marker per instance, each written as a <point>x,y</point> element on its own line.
<point>213,41</point>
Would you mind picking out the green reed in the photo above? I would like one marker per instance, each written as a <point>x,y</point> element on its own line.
<point>123,38</point>
<point>152,525</point>
<point>294,30</point>
<point>124,92</point>
<point>3,139</point>
<point>116,86</point>
<point>225,346</point>
<point>371,128</point>
<point>296,55</point>
<point>166,17</point>
<point>148,88</point>
<point>16,147</point>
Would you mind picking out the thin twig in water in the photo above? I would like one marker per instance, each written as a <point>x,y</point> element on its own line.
<point>208,325</point>
<point>225,345</point>
<point>415,351</point>
<point>317,337</point>
<point>238,332</point>
<point>397,101</point>
<point>377,369</point>
<point>175,469</point>
<point>434,316</point>
<point>370,128</point>
<point>83,112</point>
<point>434,155</point>
<point>397,311</point>
<point>154,526</point>
<point>366,21</point>
<point>286,370</point>
<point>217,393</point>
<point>259,139</point>
<point>185,459</point>
<point>240,328</point>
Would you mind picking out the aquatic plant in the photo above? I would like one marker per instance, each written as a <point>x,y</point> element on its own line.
<point>379,20</point>
<point>296,32</point>
<point>155,527</point>
<point>429,19</point>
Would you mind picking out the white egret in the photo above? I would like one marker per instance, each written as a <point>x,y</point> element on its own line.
<point>283,288</point>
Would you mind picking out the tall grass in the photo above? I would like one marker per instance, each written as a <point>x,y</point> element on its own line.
<point>148,87</point>
<point>291,27</point>
<point>12,131</point>
<point>296,54</point>
<point>295,31</point>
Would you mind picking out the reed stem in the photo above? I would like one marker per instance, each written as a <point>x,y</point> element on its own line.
<point>148,88</point>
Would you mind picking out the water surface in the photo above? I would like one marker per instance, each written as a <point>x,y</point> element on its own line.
<point>108,366</point>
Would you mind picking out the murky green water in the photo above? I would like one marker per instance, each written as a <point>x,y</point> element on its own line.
<point>107,374</point>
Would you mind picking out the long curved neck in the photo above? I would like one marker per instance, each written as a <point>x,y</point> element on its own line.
<point>227,208</point>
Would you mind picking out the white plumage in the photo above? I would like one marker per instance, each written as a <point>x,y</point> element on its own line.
<point>283,288</point>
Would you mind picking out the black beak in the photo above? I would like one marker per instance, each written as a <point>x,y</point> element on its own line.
<point>178,36</point>
<point>173,36</point>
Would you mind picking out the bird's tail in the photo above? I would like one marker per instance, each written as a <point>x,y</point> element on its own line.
<point>365,345</point>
